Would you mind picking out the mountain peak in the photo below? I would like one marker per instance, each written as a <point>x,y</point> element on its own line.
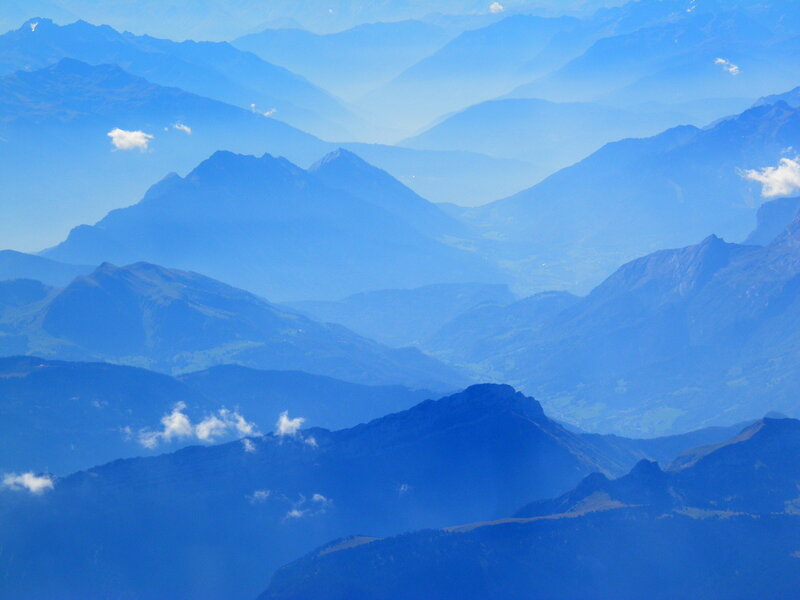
<point>340,156</point>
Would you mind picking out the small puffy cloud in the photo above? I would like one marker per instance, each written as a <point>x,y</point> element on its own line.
<point>210,428</point>
<point>184,128</point>
<point>311,441</point>
<point>35,484</point>
<point>259,496</point>
<point>286,426</point>
<point>728,66</point>
<point>129,140</point>
<point>304,507</point>
<point>178,425</point>
<point>782,180</point>
<point>249,446</point>
<point>496,8</point>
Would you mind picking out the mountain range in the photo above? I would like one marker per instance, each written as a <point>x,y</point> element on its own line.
<point>722,524</point>
<point>373,52</point>
<point>222,517</point>
<point>176,321</point>
<point>214,70</point>
<point>321,233</point>
<point>60,416</point>
<point>675,340</point>
<point>405,317</point>
<point>639,195</point>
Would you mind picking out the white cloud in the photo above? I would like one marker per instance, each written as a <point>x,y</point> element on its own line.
<point>35,484</point>
<point>34,26</point>
<point>728,66</point>
<point>184,128</point>
<point>319,498</point>
<point>496,8</point>
<point>259,496</point>
<point>129,140</point>
<point>249,446</point>
<point>286,426</point>
<point>210,428</point>
<point>178,425</point>
<point>295,513</point>
<point>311,441</point>
<point>783,180</point>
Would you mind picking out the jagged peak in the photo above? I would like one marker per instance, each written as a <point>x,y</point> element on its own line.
<point>339,156</point>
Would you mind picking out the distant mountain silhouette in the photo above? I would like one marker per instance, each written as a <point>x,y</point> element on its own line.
<point>177,321</point>
<point>772,218</point>
<point>549,135</point>
<point>212,69</point>
<point>676,340</point>
<point>268,226</point>
<point>18,265</point>
<point>373,53</point>
<point>405,317</point>
<point>637,196</point>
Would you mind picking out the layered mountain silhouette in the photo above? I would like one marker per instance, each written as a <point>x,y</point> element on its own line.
<point>177,321</point>
<point>374,53</point>
<point>721,525</point>
<point>268,226</point>
<point>224,516</point>
<point>676,340</point>
<point>18,265</point>
<point>73,105</point>
<point>64,416</point>
<point>475,66</point>
<point>549,135</point>
<point>639,195</point>
<point>405,317</point>
<point>211,69</point>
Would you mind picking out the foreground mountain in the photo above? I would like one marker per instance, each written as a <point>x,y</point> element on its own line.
<point>722,526</point>
<point>177,321</point>
<point>268,226</point>
<point>405,317</point>
<point>640,195</point>
<point>677,340</point>
<point>223,517</point>
<point>60,417</point>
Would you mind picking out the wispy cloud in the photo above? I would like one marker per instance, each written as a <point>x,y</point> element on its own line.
<point>304,507</point>
<point>249,445</point>
<point>496,8</point>
<point>286,426</point>
<point>129,140</point>
<point>728,66</point>
<point>177,425</point>
<point>782,180</point>
<point>267,113</point>
<point>184,128</point>
<point>259,496</point>
<point>30,482</point>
